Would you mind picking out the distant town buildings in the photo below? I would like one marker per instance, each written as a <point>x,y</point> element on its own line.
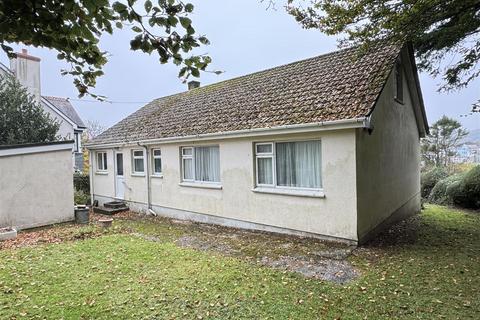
<point>468,152</point>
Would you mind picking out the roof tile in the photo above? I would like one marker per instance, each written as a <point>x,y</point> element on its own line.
<point>340,85</point>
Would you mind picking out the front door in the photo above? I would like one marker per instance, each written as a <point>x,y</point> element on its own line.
<point>119,177</point>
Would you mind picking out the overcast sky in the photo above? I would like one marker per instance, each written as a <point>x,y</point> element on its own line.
<point>245,37</point>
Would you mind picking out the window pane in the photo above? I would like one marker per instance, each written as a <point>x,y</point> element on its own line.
<point>75,146</point>
<point>264,170</point>
<point>99,161</point>
<point>104,161</point>
<point>188,169</point>
<point>264,148</point>
<point>156,152</point>
<point>298,164</point>
<point>120,164</point>
<point>157,165</point>
<point>138,153</point>
<point>187,151</point>
<point>138,165</point>
<point>207,164</point>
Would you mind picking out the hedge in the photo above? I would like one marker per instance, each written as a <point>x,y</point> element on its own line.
<point>81,198</point>
<point>467,192</point>
<point>429,179</point>
<point>461,189</point>
<point>438,194</point>
<point>81,182</point>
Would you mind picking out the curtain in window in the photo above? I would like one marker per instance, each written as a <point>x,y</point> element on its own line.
<point>264,170</point>
<point>298,164</point>
<point>207,164</point>
<point>187,169</point>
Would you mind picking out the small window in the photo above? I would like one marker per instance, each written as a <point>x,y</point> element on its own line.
<point>76,146</point>
<point>398,82</point>
<point>264,158</point>
<point>201,164</point>
<point>187,151</point>
<point>289,164</point>
<point>101,161</point>
<point>138,165</point>
<point>187,163</point>
<point>157,161</point>
<point>264,148</point>
<point>119,164</point>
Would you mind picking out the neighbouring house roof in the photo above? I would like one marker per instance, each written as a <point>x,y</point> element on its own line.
<point>65,107</point>
<point>61,104</point>
<point>5,69</point>
<point>336,86</point>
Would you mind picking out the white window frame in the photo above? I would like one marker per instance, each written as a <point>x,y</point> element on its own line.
<point>265,155</point>
<point>134,157</point>
<point>104,167</point>
<point>192,156</point>
<point>76,144</point>
<point>154,157</point>
<point>273,154</point>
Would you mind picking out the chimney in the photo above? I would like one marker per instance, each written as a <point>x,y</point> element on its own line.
<point>26,69</point>
<point>193,84</point>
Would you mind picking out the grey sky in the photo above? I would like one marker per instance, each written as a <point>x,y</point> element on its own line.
<point>245,38</point>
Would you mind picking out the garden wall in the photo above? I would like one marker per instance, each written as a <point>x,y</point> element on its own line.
<point>36,186</point>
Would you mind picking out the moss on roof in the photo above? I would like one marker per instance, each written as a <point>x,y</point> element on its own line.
<point>339,85</point>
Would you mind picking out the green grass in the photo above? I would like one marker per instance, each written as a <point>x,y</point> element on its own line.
<point>428,268</point>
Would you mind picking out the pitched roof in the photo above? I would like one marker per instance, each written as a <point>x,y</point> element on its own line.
<point>340,85</point>
<point>5,69</point>
<point>65,107</point>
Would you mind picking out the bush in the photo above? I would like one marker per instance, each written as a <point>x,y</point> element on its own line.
<point>81,182</point>
<point>439,195</point>
<point>429,179</point>
<point>81,198</point>
<point>467,192</point>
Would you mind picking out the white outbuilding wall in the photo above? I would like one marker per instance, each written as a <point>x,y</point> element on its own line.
<point>36,185</point>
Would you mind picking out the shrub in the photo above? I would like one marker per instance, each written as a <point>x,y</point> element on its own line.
<point>81,198</point>
<point>467,192</point>
<point>81,182</point>
<point>438,194</point>
<point>429,179</point>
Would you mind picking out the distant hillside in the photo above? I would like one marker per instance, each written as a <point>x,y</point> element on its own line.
<point>473,136</point>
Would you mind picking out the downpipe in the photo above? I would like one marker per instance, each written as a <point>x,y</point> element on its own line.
<point>147,176</point>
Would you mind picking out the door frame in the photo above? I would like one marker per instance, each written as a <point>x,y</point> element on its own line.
<point>115,176</point>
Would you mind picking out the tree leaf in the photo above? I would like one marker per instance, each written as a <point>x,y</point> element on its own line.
<point>148,6</point>
<point>189,7</point>
<point>137,29</point>
<point>185,22</point>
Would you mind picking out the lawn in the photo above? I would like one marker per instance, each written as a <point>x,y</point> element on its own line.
<point>425,268</point>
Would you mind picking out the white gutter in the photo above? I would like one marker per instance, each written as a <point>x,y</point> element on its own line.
<point>18,150</point>
<point>363,122</point>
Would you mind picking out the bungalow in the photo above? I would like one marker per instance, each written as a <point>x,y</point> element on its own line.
<point>325,147</point>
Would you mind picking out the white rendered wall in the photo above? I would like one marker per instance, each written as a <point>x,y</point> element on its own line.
<point>334,215</point>
<point>36,189</point>
<point>388,161</point>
